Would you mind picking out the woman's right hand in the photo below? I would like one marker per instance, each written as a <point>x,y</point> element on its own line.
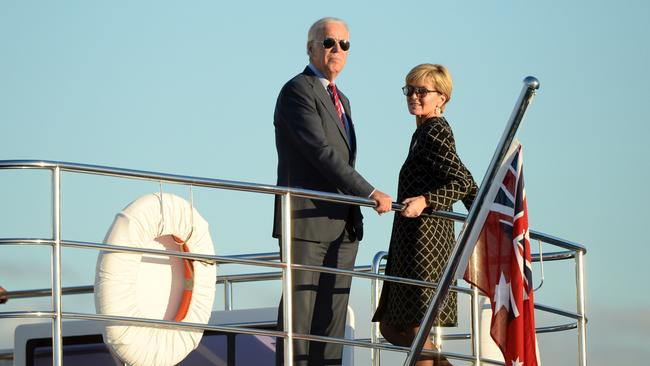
<point>414,206</point>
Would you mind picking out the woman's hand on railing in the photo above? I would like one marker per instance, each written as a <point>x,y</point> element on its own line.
<point>414,206</point>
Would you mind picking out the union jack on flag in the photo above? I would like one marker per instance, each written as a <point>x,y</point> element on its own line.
<point>500,265</point>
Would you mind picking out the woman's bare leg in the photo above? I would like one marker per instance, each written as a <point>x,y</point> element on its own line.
<point>404,337</point>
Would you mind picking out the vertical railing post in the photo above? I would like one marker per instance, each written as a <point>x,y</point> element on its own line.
<point>580,292</point>
<point>476,327</point>
<point>287,279</point>
<point>57,343</point>
<point>374,301</point>
<point>227,292</point>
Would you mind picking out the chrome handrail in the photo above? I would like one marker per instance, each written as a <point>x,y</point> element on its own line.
<point>259,259</point>
<point>374,268</point>
<point>187,180</point>
<point>579,316</point>
<point>286,192</point>
<point>534,234</point>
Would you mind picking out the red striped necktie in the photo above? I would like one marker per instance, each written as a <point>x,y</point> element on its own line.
<point>337,104</point>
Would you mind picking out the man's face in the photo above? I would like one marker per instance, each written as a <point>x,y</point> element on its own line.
<point>329,61</point>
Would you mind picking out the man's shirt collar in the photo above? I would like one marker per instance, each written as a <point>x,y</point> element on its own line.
<point>319,75</point>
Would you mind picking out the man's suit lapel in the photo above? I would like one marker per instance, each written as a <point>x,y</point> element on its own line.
<point>326,100</point>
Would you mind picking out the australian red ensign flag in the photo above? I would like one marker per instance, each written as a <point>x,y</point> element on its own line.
<point>500,265</point>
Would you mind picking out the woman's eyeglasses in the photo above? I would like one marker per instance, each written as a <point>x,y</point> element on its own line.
<point>329,42</point>
<point>408,90</point>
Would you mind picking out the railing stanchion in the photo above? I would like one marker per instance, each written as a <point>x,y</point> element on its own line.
<point>287,279</point>
<point>374,301</point>
<point>57,343</point>
<point>582,326</point>
<point>476,327</point>
<point>227,292</point>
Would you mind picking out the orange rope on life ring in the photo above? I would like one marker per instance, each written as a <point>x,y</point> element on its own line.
<point>188,286</point>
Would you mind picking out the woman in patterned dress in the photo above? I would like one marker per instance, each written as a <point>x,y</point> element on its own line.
<point>432,178</point>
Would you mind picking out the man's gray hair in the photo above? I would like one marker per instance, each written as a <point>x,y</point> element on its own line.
<point>319,24</point>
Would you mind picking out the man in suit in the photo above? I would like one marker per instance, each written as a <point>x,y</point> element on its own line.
<point>316,145</point>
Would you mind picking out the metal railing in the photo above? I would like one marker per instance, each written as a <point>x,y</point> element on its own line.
<point>579,320</point>
<point>57,242</point>
<point>261,259</point>
<point>573,251</point>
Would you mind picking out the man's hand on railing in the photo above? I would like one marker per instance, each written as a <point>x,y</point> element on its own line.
<point>383,201</point>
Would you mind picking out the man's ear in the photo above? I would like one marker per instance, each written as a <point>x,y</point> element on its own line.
<point>309,45</point>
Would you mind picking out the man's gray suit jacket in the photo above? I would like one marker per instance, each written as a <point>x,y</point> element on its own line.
<point>315,152</point>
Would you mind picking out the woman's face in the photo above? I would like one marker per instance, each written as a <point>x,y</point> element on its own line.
<point>424,99</point>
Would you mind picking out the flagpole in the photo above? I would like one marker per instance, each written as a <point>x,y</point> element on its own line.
<point>461,250</point>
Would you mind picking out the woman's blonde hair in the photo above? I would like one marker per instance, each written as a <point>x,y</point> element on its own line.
<point>437,74</point>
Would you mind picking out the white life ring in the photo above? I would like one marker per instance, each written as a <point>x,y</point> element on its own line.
<point>152,286</point>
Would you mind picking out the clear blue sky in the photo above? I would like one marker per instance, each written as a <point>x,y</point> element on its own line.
<point>189,88</point>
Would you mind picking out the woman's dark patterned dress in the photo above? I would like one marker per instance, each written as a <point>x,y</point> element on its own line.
<point>420,247</point>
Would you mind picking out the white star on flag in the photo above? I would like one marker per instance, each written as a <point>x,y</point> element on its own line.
<point>503,297</point>
<point>502,294</point>
<point>517,362</point>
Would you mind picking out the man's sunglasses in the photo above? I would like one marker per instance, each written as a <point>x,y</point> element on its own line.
<point>329,42</point>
